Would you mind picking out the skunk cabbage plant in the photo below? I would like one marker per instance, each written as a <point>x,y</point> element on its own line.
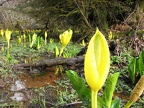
<point>96,64</point>
<point>8,37</point>
<point>65,38</point>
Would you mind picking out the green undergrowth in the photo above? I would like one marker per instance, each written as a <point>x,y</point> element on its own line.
<point>62,93</point>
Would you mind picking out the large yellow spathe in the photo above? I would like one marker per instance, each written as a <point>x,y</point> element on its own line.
<point>97,61</point>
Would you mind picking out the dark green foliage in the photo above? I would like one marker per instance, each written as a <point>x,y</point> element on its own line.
<point>80,86</point>
<point>84,93</point>
<point>115,103</point>
<point>133,69</point>
<point>141,63</point>
<point>109,89</point>
<point>136,66</point>
<point>82,15</point>
<point>8,56</point>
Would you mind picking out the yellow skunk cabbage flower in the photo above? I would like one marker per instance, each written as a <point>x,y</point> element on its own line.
<point>83,43</point>
<point>2,49</point>
<point>110,36</point>
<point>24,38</point>
<point>38,43</point>
<point>2,32</point>
<point>56,50</point>
<point>96,64</point>
<point>65,38</point>
<point>45,35</point>
<point>33,39</point>
<point>8,36</point>
<point>19,39</point>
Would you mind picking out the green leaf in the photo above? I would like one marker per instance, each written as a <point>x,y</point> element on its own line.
<point>109,89</point>
<point>115,103</point>
<point>133,69</point>
<point>80,86</point>
<point>8,56</point>
<point>100,102</point>
<point>141,63</point>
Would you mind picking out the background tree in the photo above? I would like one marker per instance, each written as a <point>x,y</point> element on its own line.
<point>83,16</point>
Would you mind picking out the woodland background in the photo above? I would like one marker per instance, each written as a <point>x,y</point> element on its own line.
<point>83,16</point>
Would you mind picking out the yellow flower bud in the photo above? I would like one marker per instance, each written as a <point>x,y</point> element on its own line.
<point>45,35</point>
<point>8,35</point>
<point>24,38</point>
<point>56,51</point>
<point>110,35</point>
<point>2,32</point>
<point>97,61</point>
<point>2,49</point>
<point>19,40</point>
<point>96,64</point>
<point>65,37</point>
<point>83,43</point>
<point>33,39</point>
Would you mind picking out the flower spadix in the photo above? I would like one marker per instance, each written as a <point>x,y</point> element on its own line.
<point>97,61</point>
<point>65,38</point>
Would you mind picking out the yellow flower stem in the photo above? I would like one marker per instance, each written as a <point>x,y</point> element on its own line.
<point>45,41</point>
<point>8,44</point>
<point>94,98</point>
<point>128,104</point>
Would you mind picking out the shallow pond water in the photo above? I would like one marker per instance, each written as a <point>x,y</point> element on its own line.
<point>39,80</point>
<point>20,89</point>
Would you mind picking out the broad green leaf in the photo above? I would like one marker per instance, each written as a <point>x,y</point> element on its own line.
<point>133,69</point>
<point>79,85</point>
<point>141,63</point>
<point>81,88</point>
<point>115,103</point>
<point>109,89</point>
